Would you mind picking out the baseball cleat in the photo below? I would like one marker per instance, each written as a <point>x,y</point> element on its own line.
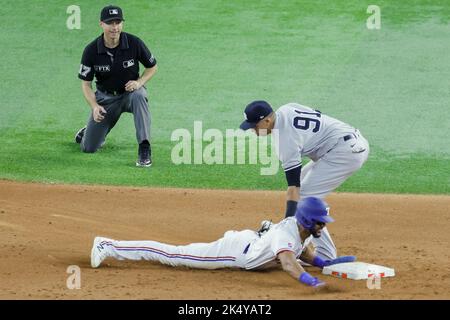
<point>144,155</point>
<point>99,251</point>
<point>144,163</point>
<point>265,226</point>
<point>79,135</point>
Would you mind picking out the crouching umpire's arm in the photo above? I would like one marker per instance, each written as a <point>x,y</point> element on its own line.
<point>146,76</point>
<point>97,110</point>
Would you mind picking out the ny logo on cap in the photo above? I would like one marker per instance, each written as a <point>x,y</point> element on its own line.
<point>113,11</point>
<point>245,116</point>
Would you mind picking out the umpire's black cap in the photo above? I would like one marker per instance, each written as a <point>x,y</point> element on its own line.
<point>255,112</point>
<point>110,13</point>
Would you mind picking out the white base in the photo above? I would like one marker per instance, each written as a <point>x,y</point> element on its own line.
<point>358,270</point>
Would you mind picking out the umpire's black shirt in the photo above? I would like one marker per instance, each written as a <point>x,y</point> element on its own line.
<point>113,68</point>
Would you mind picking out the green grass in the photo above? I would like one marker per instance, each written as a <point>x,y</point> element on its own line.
<point>216,56</point>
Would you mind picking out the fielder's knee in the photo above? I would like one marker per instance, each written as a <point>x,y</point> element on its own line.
<point>88,149</point>
<point>326,254</point>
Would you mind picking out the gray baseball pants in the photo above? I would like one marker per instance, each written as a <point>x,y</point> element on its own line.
<point>135,102</point>
<point>321,177</point>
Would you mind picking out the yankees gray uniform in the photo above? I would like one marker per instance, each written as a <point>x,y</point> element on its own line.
<point>336,149</point>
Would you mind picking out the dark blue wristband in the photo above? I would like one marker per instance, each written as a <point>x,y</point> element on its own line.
<point>293,176</point>
<point>319,262</point>
<point>291,207</point>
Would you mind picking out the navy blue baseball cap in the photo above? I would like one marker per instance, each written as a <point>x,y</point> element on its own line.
<point>110,13</point>
<point>254,113</point>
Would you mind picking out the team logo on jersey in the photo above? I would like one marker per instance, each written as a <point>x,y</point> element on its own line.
<point>152,59</point>
<point>84,70</point>
<point>113,11</point>
<point>290,245</point>
<point>129,63</point>
<point>105,68</point>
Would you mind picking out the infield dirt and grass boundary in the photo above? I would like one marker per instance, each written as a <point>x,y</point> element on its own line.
<point>45,229</point>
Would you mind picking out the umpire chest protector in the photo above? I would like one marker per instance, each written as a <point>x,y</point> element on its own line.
<point>113,68</point>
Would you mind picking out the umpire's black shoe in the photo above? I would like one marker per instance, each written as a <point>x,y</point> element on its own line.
<point>79,135</point>
<point>144,155</point>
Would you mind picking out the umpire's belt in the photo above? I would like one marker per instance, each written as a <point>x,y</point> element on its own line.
<point>111,92</point>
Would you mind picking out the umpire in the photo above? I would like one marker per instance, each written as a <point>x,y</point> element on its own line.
<point>113,58</point>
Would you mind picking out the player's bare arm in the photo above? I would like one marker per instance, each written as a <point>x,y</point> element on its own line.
<point>97,110</point>
<point>308,254</point>
<point>290,264</point>
<point>295,270</point>
<point>293,193</point>
<point>309,257</point>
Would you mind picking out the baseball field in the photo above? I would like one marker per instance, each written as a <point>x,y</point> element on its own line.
<point>382,69</point>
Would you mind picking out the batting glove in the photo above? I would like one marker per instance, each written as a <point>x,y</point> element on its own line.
<point>309,280</point>
<point>319,262</point>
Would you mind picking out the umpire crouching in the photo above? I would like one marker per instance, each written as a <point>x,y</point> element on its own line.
<point>113,58</point>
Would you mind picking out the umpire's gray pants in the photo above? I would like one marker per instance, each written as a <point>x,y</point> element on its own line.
<point>135,102</point>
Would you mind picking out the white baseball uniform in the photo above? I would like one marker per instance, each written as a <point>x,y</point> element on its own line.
<point>336,149</point>
<point>237,249</point>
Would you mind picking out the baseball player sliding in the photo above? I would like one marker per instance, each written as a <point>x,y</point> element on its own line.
<point>336,149</point>
<point>246,249</point>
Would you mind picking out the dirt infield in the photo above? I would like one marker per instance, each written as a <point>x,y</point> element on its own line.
<point>46,228</point>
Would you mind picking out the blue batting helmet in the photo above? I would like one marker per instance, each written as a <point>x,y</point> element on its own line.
<point>311,210</point>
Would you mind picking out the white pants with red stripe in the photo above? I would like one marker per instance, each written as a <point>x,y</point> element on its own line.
<point>227,252</point>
